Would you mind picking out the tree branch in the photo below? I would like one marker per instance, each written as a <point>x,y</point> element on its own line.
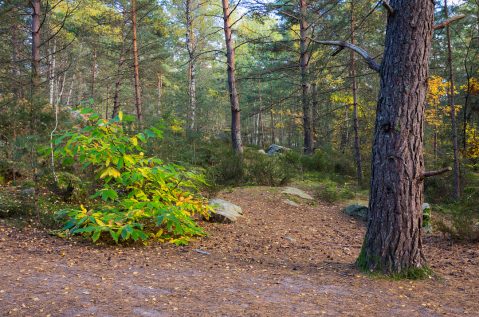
<point>369,60</point>
<point>388,7</point>
<point>435,173</point>
<point>445,23</point>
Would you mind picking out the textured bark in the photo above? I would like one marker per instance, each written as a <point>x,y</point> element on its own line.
<point>36,10</point>
<point>393,241</point>
<point>354,88</point>
<point>191,48</point>
<point>136,66</point>
<point>452,99</point>
<point>304,61</point>
<point>233,92</point>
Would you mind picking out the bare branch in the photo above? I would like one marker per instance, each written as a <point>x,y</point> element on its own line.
<point>445,23</point>
<point>388,7</point>
<point>435,173</point>
<point>369,60</point>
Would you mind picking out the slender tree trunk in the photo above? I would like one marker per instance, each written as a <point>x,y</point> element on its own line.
<point>93,74</point>
<point>51,74</point>
<point>70,92</point>
<point>393,241</point>
<point>191,48</point>
<point>116,94</point>
<point>260,117</point>
<point>234,98</point>
<point>354,88</point>
<point>36,41</point>
<point>315,109</point>
<point>304,63</point>
<point>35,99</point>
<point>59,97</point>
<point>136,66</point>
<point>160,91</point>
<point>452,99</point>
<point>17,88</point>
<point>271,114</point>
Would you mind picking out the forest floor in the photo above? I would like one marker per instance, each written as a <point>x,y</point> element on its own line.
<point>276,260</point>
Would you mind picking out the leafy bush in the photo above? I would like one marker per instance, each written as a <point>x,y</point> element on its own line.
<point>10,204</point>
<point>331,192</point>
<point>253,168</point>
<point>138,197</point>
<point>462,225</point>
<point>269,170</point>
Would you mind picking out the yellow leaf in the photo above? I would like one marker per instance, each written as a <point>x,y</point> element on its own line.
<point>110,171</point>
<point>120,115</point>
<point>134,140</point>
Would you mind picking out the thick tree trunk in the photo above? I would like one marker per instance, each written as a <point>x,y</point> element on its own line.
<point>354,88</point>
<point>191,48</point>
<point>393,241</point>
<point>304,61</point>
<point>452,99</point>
<point>234,98</point>
<point>136,66</point>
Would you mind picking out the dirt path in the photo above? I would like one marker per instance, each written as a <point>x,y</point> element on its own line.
<point>277,260</point>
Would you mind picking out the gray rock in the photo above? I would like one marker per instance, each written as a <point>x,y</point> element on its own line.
<point>276,149</point>
<point>291,203</point>
<point>224,211</point>
<point>357,211</point>
<point>296,192</point>
<point>426,218</point>
<point>28,192</point>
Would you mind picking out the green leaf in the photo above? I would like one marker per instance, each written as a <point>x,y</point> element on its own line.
<point>96,235</point>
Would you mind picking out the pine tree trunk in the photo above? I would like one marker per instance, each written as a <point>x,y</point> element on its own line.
<point>354,88</point>
<point>191,48</point>
<point>315,109</point>
<point>452,99</point>
<point>304,61</point>
<point>116,94</point>
<point>160,92</point>
<point>36,8</point>
<point>136,66</point>
<point>393,241</point>
<point>234,99</point>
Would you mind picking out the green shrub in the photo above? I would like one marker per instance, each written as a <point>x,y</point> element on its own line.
<point>268,170</point>
<point>331,192</point>
<point>463,224</point>
<point>138,197</point>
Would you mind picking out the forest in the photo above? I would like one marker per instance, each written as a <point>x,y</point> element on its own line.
<point>239,157</point>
